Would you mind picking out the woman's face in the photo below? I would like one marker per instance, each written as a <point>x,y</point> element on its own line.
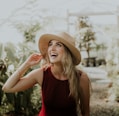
<point>55,51</point>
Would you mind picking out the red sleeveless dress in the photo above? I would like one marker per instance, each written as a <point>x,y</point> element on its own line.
<point>56,100</point>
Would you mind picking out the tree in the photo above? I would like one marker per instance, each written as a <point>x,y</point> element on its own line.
<point>87,39</point>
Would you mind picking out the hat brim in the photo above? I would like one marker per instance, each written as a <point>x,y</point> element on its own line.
<point>43,46</point>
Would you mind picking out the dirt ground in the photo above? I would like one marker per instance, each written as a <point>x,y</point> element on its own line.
<point>100,105</point>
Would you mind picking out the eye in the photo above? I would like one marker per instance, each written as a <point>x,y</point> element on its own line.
<point>59,44</point>
<point>50,43</point>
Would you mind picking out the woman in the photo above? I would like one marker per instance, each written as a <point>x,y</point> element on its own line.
<point>65,89</point>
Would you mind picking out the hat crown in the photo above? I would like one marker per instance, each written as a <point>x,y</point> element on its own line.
<point>67,38</point>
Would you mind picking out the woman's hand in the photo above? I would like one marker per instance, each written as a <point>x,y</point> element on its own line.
<point>34,59</point>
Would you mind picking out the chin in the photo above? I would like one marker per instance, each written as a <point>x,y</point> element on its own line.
<point>53,61</point>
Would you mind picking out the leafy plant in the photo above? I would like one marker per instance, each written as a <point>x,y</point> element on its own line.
<point>11,57</point>
<point>87,40</point>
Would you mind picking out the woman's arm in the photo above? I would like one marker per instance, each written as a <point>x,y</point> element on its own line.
<point>85,94</point>
<point>18,82</point>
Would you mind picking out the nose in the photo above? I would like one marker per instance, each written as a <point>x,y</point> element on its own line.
<point>53,47</point>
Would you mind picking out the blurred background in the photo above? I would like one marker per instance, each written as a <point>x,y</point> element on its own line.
<point>95,26</point>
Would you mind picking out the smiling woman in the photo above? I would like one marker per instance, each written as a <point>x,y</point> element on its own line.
<point>65,88</point>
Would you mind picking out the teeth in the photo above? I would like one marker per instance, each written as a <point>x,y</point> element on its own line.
<point>53,54</point>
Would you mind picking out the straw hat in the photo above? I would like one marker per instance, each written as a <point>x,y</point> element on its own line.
<point>64,38</point>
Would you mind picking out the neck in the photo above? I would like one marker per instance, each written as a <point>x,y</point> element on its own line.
<point>58,72</point>
<point>57,69</point>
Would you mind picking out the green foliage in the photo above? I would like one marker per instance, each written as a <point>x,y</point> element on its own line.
<point>29,31</point>
<point>30,34</point>
<point>21,101</point>
<point>11,57</point>
<point>10,50</point>
<point>87,42</point>
<point>87,36</point>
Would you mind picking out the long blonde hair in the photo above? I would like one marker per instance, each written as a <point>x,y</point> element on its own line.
<point>73,75</point>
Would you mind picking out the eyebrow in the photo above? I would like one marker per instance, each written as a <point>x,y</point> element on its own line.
<point>56,42</point>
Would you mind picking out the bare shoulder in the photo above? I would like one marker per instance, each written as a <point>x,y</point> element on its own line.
<point>38,75</point>
<point>84,75</point>
<point>84,79</point>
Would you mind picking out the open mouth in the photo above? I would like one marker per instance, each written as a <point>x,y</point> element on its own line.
<point>53,55</point>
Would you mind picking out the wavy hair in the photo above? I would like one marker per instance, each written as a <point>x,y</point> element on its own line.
<point>73,75</point>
